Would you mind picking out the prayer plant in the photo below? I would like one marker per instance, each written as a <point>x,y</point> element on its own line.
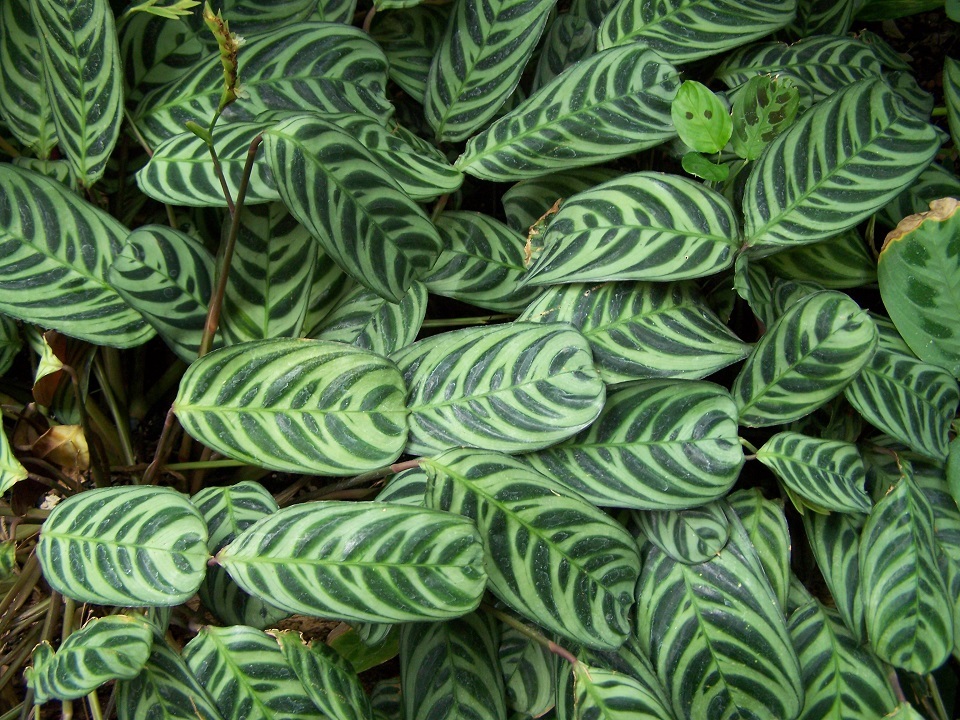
<point>589,359</point>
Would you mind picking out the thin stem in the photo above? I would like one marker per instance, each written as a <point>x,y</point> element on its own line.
<point>937,700</point>
<point>27,644</point>
<point>94,702</point>
<point>136,134</point>
<point>529,632</point>
<point>218,169</point>
<point>120,418</point>
<point>939,112</point>
<point>368,19</point>
<point>361,480</point>
<point>748,445</point>
<point>8,148</point>
<point>895,684</point>
<point>53,616</point>
<point>167,437</point>
<point>171,377</point>
<point>465,321</point>
<point>18,594</point>
<point>98,457</point>
<point>438,208</point>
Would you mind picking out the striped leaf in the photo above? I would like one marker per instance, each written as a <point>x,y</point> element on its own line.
<point>643,226</point>
<point>917,100</point>
<point>328,287</point>
<point>368,321</point>
<point>766,528</point>
<point>529,523</point>
<point>247,675</point>
<point>181,170</point>
<point>156,50</point>
<point>137,545</point>
<point>513,388</point>
<point>716,635</point>
<point>612,104</point>
<point>568,40</point>
<point>685,30</point>
<point>81,60</point>
<point>296,405</point>
<point>328,678</point>
<point>409,40</point>
<point>407,488</point>
<point>450,670</point>
<point>657,445</point>
<point>528,673</point>
<point>951,95</point>
<point>835,541</point>
<point>841,678</point>
<point>367,645</point>
<point>106,648</point>
<point>324,67</point>
<point>820,65</point>
<point>55,250</point>
<point>806,357</point>
<point>481,263</point>
<point>386,701</point>
<point>25,106</point>
<point>233,606</point>
<point>248,17</point>
<point>825,474</point>
<point>167,276</point>
<point>868,149</point>
<point>366,562</point>
<point>270,276</point>
<point>918,271</point>
<point>165,689</point>
<point>11,471</point>
<point>643,330</point>
<point>530,200</point>
<point>911,401</point>
<point>908,613</point>
<point>763,108</point>
<point>478,63</point>
<point>689,536</point>
<point>823,17</point>
<point>837,263</point>
<point>934,183</point>
<point>362,219</point>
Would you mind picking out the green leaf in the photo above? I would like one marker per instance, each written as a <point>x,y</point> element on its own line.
<point>450,670</point>
<point>700,117</point>
<point>106,648</point>
<point>917,100</point>
<point>934,183</point>
<point>910,400</point>
<point>359,648</point>
<point>323,67</point>
<point>366,320</point>
<point>892,10</point>
<point>337,189</point>
<point>481,263</point>
<point>530,524</point>
<point>386,701</point>
<point>951,95</point>
<point>165,689</point>
<point>513,388</point>
<point>612,104</point>
<point>137,545</point>
<point>686,30</point>
<point>825,473</point>
<point>764,107</point>
<point>569,39</point>
<point>55,250</point>
<point>247,675</point>
<point>835,541</point>
<point>368,562</point>
<point>296,405</point>
<point>529,201</point>
<point>328,287</point>
<point>836,263</point>
<point>270,276</point>
<point>478,63</point>
<point>181,170</point>
<point>823,17</point>
<point>643,226</point>
<point>410,40</point>
<point>841,678</point>
<point>657,445</point>
<point>919,274</point>
<point>11,471</point>
<point>328,678</point>
<point>167,276</point>
<point>699,166</point>
<point>806,357</point>
<point>953,469</point>
<point>81,60</point>
<point>24,104</point>
<point>643,330</point>
<point>870,147</point>
<point>716,635</point>
<point>233,606</point>
<point>766,527</point>
<point>407,488</point>
<point>528,673</point>
<point>10,342</point>
<point>691,536</point>
<point>908,614</point>
<point>155,51</point>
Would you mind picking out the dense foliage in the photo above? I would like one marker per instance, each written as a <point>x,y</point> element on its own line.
<point>554,349</point>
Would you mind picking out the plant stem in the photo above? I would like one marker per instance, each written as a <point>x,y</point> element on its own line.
<point>937,700</point>
<point>98,460</point>
<point>218,169</point>
<point>361,480</point>
<point>368,19</point>
<point>15,663</point>
<point>20,592</point>
<point>465,321</point>
<point>748,445</point>
<point>120,418</point>
<point>94,702</point>
<point>529,632</point>
<point>167,436</point>
<point>438,208</point>
<point>8,148</point>
<point>895,684</point>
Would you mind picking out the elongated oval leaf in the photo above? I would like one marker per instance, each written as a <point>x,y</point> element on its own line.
<point>607,106</point>
<point>869,148</point>
<point>328,287</point>
<point>642,330</point>
<point>81,58</point>
<point>335,187</point>
<point>364,319</point>
<point>690,536</point>
<point>835,542</point>
<point>807,357</point>
<point>136,545</point>
<point>11,471</point>
<point>368,562</point>
<point>325,67</point>
<point>528,673</point>
<point>10,342</point>
<point>534,200</point>
<point>107,648</point>
<point>934,183</point>
<point>657,445</point>
<point>512,388</point>
<point>643,226</point>
<point>686,30</point>
<point>478,63</point>
<point>569,39</point>
<point>55,250</point>
<point>410,40</point>
<point>766,527</point>
<point>531,526</point>
<point>155,50</point>
<point>605,695</point>
<point>836,263</point>
<point>407,488</point>
<point>296,405</point>
<point>168,277</point>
